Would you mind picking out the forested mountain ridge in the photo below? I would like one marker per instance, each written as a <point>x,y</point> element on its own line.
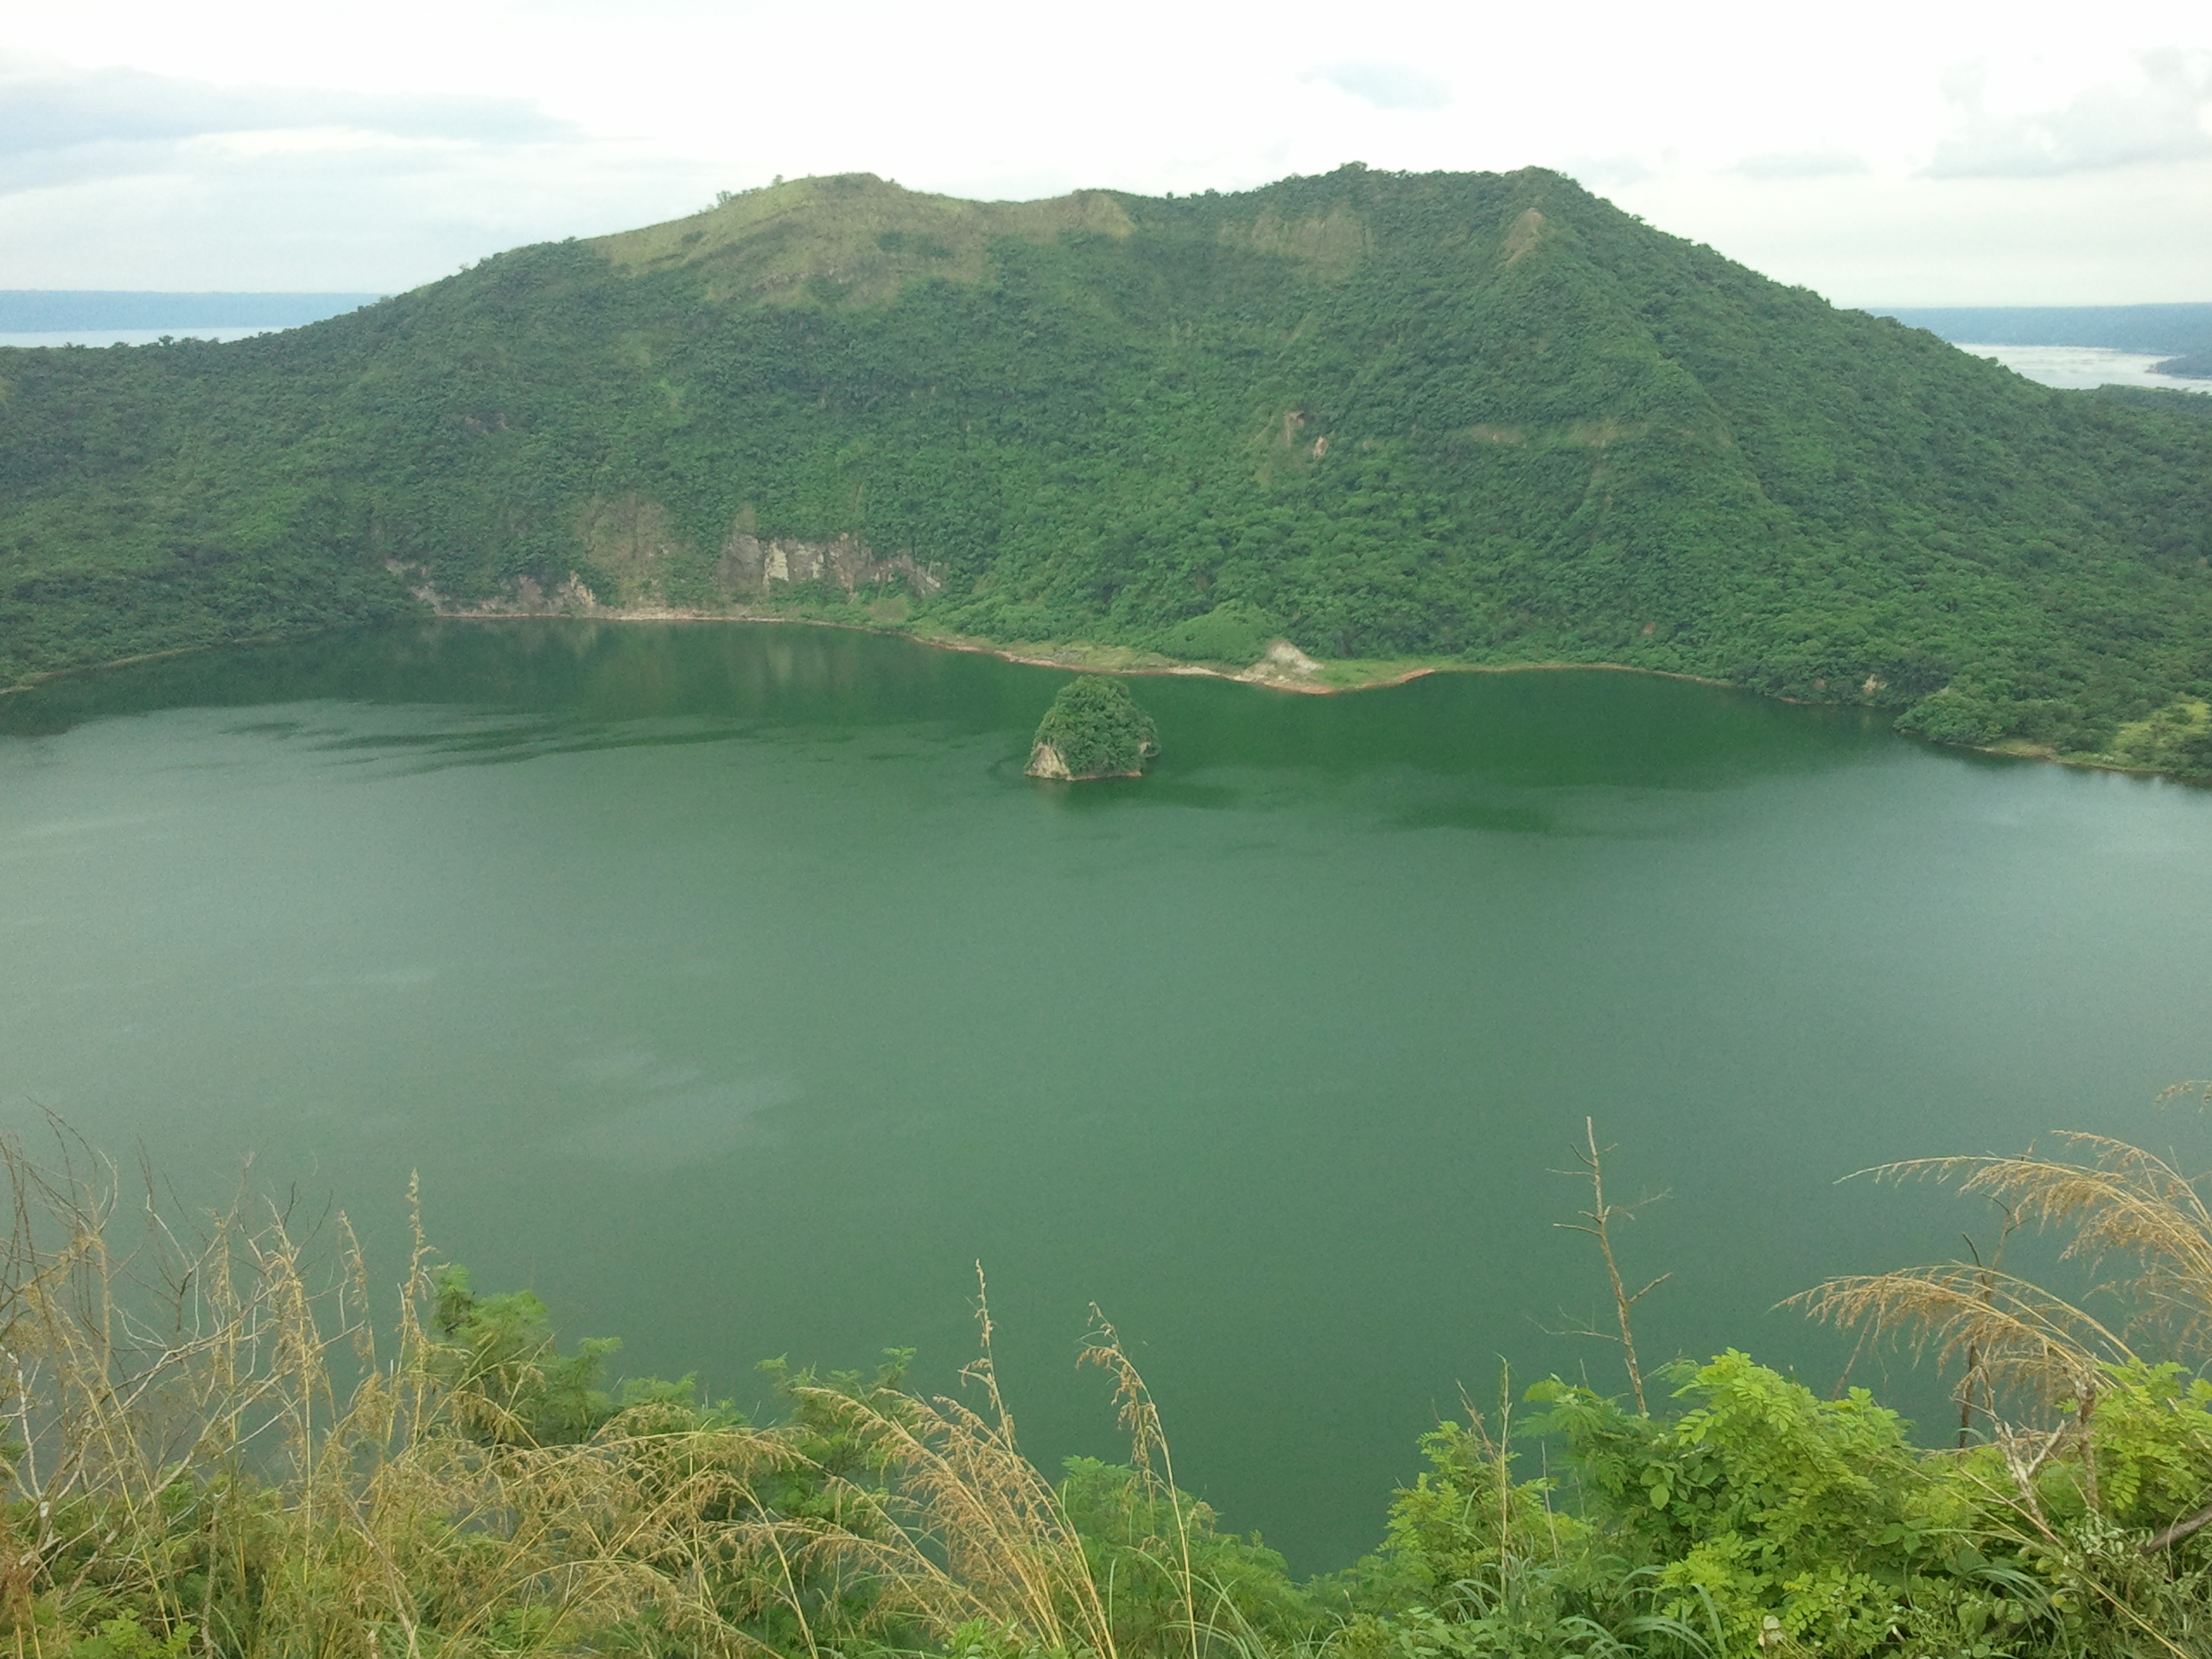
<point>1484,419</point>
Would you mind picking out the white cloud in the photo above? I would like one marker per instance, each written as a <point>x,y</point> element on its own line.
<point>1385,85</point>
<point>1869,239</point>
<point>120,177</point>
<point>344,212</point>
<point>2159,119</point>
<point>51,107</point>
<point>1608,172</point>
<point>1823,163</point>
<point>352,145</point>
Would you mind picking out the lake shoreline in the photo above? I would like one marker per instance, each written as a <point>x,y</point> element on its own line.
<point>1283,669</point>
<point>1121,660</point>
<point>1293,671</point>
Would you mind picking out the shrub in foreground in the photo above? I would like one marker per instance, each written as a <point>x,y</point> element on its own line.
<point>191,1472</point>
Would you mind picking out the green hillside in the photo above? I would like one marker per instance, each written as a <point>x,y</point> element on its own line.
<point>1468,418</point>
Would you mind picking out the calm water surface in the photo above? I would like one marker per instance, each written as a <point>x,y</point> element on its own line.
<point>732,987</point>
<point>2088,366</point>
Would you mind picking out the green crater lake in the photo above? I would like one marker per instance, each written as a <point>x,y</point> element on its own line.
<point>731,986</point>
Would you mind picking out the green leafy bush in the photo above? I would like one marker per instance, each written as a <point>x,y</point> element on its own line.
<point>476,1490</point>
<point>1950,716</point>
<point>1232,633</point>
<point>1094,729</point>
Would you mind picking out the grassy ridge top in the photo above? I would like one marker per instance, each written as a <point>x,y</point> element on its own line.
<point>1456,417</point>
<point>850,238</point>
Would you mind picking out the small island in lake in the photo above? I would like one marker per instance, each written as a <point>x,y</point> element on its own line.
<point>1093,729</point>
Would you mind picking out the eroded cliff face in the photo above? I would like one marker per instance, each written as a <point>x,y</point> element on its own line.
<point>643,566</point>
<point>750,567</point>
<point>524,596</point>
<point>1046,761</point>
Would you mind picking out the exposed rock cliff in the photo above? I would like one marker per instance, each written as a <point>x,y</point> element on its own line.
<point>643,566</point>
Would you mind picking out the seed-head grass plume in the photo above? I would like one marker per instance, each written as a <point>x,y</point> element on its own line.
<point>216,1448</point>
<point>2132,1219</point>
<point>2047,1372</point>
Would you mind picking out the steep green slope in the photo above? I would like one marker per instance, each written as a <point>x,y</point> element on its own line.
<point>1480,417</point>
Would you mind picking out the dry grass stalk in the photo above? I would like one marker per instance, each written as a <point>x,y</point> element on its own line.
<point>1597,1222</point>
<point>2003,1329</point>
<point>967,1528</point>
<point>178,1417</point>
<point>2119,1203</point>
<point>1977,1391</point>
<point>1137,1413</point>
<point>215,1440</point>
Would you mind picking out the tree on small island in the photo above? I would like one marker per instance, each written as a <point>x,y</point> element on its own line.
<point>1093,729</point>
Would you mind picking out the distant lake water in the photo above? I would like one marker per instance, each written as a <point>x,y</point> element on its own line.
<point>102,337</point>
<point>2071,367</point>
<point>2086,366</point>
<point>732,987</point>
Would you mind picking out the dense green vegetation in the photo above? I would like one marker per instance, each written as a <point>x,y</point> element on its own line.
<point>1461,418</point>
<point>215,1450</point>
<point>1093,729</point>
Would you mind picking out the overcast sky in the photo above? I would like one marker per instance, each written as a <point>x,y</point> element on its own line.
<point>1888,153</point>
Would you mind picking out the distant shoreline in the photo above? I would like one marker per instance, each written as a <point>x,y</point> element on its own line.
<point>1283,669</point>
<point>1109,660</point>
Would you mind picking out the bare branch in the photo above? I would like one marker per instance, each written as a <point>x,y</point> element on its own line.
<point>1597,1221</point>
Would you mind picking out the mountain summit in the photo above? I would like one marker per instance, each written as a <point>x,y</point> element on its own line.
<point>1379,418</point>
